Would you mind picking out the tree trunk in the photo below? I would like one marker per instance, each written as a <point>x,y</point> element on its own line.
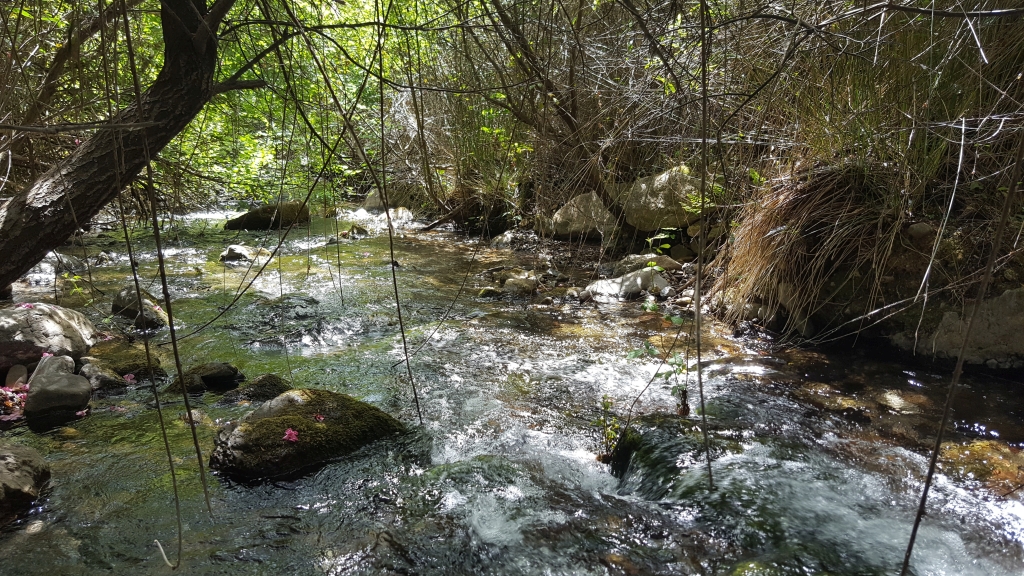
<point>41,217</point>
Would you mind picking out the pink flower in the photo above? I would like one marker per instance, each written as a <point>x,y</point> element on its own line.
<point>26,305</point>
<point>157,308</point>
<point>82,413</point>
<point>318,417</point>
<point>291,435</point>
<point>129,378</point>
<point>46,354</point>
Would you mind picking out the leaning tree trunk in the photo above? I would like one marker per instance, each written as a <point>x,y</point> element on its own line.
<point>47,213</point>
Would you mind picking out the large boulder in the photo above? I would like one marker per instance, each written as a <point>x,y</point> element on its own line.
<point>295,431</point>
<point>629,285</point>
<point>995,337</point>
<point>272,216</point>
<point>667,200</point>
<point>28,330</point>
<point>213,376</point>
<point>585,216</point>
<point>23,472</point>
<point>150,316</point>
<point>55,393</point>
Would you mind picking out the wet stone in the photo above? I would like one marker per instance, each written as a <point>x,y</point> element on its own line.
<point>212,376</point>
<point>298,430</point>
<point>23,473</point>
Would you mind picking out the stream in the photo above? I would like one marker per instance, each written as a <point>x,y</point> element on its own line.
<point>819,456</point>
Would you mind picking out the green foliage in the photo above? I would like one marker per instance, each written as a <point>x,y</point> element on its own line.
<point>659,242</point>
<point>608,424</point>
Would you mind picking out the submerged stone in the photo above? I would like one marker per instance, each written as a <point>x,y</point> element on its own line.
<point>297,430</point>
<point>124,357</point>
<point>23,472</point>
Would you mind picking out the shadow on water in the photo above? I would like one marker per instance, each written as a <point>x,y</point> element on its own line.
<point>818,456</point>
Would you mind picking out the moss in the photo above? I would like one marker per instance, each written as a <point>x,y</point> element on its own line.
<point>217,376</point>
<point>327,425</point>
<point>984,460</point>
<point>125,357</point>
<point>260,389</point>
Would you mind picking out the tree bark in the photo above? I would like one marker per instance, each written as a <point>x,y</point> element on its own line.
<point>41,217</point>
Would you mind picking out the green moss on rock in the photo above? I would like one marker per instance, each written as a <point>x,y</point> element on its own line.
<point>125,357</point>
<point>215,376</point>
<point>325,424</point>
<point>260,389</point>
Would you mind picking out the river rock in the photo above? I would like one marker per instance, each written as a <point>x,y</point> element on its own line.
<point>126,304</point>
<point>212,376</point>
<point>922,234</point>
<point>101,378</point>
<point>996,334</point>
<point>634,262</point>
<point>295,431</point>
<point>503,240</point>
<point>629,285</point>
<point>259,389</point>
<point>23,472</point>
<point>64,263</point>
<point>16,376</point>
<point>271,216</point>
<point>55,392</point>
<point>585,216</point>
<point>660,201</point>
<point>682,253</point>
<point>989,461</point>
<point>28,330</point>
<point>123,357</point>
<point>519,286</point>
<point>6,292</point>
<point>241,254</point>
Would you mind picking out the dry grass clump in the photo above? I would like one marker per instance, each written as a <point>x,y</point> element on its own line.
<point>811,241</point>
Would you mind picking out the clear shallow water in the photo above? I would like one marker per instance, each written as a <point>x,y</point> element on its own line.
<point>502,478</point>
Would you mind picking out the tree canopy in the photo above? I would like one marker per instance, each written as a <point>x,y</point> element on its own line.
<point>492,110</point>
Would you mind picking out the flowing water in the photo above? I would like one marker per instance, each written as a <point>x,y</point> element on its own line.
<point>818,457</point>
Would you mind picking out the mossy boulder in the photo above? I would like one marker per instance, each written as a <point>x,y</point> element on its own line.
<point>212,376</point>
<point>271,216</point>
<point>259,389</point>
<point>296,431</point>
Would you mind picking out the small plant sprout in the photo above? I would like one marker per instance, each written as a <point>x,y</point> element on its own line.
<point>609,426</point>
